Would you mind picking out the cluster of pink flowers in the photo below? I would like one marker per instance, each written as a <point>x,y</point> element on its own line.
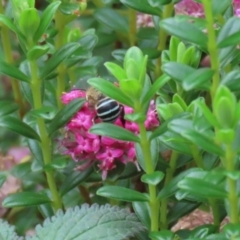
<point>192,8</point>
<point>87,148</point>
<point>189,7</point>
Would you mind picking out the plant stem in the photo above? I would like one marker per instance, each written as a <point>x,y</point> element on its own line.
<point>132,15</point>
<point>232,185</point>
<point>169,174</point>
<point>60,69</point>
<point>46,144</point>
<point>9,59</point>
<point>197,156</point>
<point>215,211</point>
<point>154,203</point>
<point>167,12</point>
<point>212,45</point>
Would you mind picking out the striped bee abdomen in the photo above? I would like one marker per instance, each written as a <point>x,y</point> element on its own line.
<point>108,109</point>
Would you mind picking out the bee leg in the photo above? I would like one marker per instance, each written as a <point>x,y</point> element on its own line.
<point>122,114</point>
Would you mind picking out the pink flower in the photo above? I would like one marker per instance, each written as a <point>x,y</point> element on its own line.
<point>192,8</point>
<point>189,7</point>
<point>87,148</point>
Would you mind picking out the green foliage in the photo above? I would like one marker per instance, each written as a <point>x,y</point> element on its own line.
<point>8,232</point>
<point>109,222</point>
<point>180,68</point>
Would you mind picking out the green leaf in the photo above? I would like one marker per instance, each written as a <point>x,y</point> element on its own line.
<point>160,130</point>
<point>230,33</point>
<point>132,88</point>
<point>200,78</point>
<point>74,179</point>
<point>24,199</point>
<point>46,112</point>
<point>7,107</point>
<point>154,148</point>
<point>35,150</point>
<point>122,194</point>
<point>171,188</point>
<point>177,71</point>
<point>142,210</point>
<point>153,178</point>
<point>219,7</point>
<point>112,19</point>
<point>3,178</point>
<point>179,28</point>
<point>8,232</point>
<point>155,87</point>
<point>57,163</point>
<point>202,188</point>
<point>28,22</point>
<point>232,80</point>
<point>180,125</point>
<point>181,209</point>
<point>68,8</point>
<point>18,126</point>
<point>92,223</point>
<point>204,141</point>
<point>59,56</point>
<point>162,235</point>
<point>36,52</point>
<point>142,6</point>
<point>13,72</point>
<point>231,230</point>
<point>110,90</point>
<point>6,21</point>
<point>116,71</point>
<point>208,114</point>
<point>64,115</point>
<point>173,46</point>
<point>46,19</point>
<point>113,131</point>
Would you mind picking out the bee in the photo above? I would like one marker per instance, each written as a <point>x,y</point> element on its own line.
<point>107,109</point>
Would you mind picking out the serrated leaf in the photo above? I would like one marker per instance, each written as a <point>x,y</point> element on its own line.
<point>8,232</point>
<point>113,131</point>
<point>46,19</point>
<point>92,223</point>
<point>122,194</point>
<point>18,126</point>
<point>10,70</point>
<point>64,115</point>
<point>24,199</point>
<point>59,56</point>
